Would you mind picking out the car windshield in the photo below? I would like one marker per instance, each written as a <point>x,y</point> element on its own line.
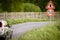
<point>0,24</point>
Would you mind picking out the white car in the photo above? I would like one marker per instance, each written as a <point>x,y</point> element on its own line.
<point>5,30</point>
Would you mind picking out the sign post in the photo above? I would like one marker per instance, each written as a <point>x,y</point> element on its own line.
<point>50,10</point>
<point>50,19</point>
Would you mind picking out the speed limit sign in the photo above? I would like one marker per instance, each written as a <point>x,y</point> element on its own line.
<point>50,12</point>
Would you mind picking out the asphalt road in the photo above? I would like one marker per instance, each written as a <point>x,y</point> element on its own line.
<point>20,29</point>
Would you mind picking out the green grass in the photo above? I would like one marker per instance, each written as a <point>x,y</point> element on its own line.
<point>49,32</point>
<point>17,21</point>
<point>57,24</point>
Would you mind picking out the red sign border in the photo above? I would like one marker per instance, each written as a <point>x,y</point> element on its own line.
<point>49,4</point>
<point>49,14</point>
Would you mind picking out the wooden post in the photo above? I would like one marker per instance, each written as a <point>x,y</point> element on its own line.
<point>5,15</point>
<point>15,15</point>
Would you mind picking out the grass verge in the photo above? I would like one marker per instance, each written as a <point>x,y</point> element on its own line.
<point>17,21</point>
<point>50,32</point>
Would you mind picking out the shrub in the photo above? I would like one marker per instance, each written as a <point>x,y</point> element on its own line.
<point>0,10</point>
<point>24,7</point>
<point>28,7</point>
<point>17,7</point>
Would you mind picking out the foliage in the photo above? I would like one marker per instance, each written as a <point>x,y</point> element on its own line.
<point>57,24</point>
<point>0,8</point>
<point>24,7</point>
<point>42,4</point>
<point>28,7</point>
<point>17,21</point>
<point>57,5</point>
<point>17,7</point>
<point>6,4</point>
<point>47,33</point>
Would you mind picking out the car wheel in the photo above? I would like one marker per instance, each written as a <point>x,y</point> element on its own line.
<point>7,36</point>
<point>11,36</point>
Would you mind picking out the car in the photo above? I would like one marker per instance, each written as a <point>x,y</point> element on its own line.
<point>5,30</point>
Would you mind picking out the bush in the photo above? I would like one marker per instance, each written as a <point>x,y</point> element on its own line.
<point>0,10</point>
<point>28,7</point>
<point>24,7</point>
<point>47,33</point>
<point>17,7</point>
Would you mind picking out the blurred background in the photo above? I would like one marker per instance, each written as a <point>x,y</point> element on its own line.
<point>26,5</point>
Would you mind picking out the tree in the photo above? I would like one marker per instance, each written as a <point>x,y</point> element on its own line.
<point>6,4</point>
<point>57,5</point>
<point>42,4</point>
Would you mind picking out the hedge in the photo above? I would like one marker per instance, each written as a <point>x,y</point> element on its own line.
<point>28,7</point>
<point>25,7</point>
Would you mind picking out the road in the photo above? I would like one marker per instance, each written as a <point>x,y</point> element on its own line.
<point>20,29</point>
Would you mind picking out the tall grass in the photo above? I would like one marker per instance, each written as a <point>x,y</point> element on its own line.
<point>49,32</point>
<point>57,24</point>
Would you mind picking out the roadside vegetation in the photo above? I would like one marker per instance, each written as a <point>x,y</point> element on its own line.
<point>50,32</point>
<point>17,21</point>
<point>25,7</point>
<point>17,5</point>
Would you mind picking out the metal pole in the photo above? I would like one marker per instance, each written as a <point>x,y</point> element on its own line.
<point>50,19</point>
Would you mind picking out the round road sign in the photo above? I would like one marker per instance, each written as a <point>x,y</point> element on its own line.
<point>50,12</point>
